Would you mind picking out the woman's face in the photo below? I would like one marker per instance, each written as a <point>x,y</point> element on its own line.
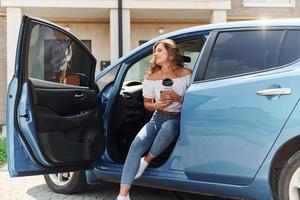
<point>160,54</point>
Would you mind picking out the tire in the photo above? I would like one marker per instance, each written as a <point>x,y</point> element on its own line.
<point>288,186</point>
<point>67,183</point>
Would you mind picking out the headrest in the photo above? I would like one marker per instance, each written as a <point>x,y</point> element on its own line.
<point>186,59</point>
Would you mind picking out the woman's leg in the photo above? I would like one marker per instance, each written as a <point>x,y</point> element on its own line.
<point>164,138</point>
<point>140,144</point>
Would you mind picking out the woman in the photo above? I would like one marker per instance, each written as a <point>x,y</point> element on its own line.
<point>163,127</point>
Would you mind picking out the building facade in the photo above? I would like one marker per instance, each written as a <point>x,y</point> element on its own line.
<point>259,9</point>
<point>95,22</point>
<point>3,68</point>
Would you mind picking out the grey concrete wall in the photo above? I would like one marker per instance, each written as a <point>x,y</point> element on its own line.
<point>2,69</point>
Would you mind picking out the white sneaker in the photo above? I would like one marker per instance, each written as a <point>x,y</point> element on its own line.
<point>143,166</point>
<point>120,197</point>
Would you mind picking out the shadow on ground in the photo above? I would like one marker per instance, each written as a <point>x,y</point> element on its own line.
<point>108,191</point>
<point>105,191</point>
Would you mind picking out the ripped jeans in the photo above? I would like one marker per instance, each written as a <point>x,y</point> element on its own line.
<point>158,134</point>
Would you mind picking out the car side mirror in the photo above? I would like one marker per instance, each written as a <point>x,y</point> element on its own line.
<point>77,79</point>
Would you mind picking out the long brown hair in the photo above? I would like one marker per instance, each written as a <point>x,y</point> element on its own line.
<point>173,55</point>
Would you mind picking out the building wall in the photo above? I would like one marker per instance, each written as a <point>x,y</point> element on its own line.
<point>98,33</point>
<point>145,31</point>
<point>2,69</point>
<point>238,11</point>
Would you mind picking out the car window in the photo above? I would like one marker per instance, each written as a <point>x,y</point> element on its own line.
<point>108,78</point>
<point>291,48</point>
<point>242,52</point>
<point>138,70</point>
<point>55,57</point>
<point>190,49</point>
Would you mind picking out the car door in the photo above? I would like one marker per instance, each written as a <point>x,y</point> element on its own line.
<point>52,116</point>
<point>237,105</point>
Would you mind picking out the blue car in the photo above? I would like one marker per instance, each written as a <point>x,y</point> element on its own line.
<point>240,122</point>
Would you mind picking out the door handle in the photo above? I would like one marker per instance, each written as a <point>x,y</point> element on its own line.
<point>274,91</point>
<point>79,95</point>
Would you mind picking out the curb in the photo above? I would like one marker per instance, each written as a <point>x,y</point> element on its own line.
<point>3,131</point>
<point>3,168</point>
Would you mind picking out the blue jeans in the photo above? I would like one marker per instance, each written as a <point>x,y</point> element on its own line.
<point>158,134</point>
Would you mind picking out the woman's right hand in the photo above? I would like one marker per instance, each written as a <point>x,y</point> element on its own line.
<point>162,104</point>
<point>159,105</point>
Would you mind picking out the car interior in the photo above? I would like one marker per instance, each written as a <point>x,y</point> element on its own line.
<point>129,115</point>
<point>72,122</point>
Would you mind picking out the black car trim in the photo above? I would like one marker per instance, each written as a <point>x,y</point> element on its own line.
<point>278,52</point>
<point>199,77</point>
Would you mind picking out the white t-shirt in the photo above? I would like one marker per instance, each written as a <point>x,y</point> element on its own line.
<point>152,88</point>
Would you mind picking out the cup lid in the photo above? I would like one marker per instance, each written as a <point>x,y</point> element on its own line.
<point>167,82</point>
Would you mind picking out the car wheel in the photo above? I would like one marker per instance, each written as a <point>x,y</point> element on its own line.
<point>289,181</point>
<point>67,182</point>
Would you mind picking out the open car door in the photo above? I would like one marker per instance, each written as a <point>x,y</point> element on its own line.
<point>52,116</point>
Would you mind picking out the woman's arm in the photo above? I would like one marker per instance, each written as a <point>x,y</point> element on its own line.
<point>150,105</point>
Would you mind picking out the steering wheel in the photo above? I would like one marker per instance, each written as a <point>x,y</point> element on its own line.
<point>132,83</point>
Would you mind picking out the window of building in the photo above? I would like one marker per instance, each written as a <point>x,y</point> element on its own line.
<point>242,52</point>
<point>88,44</point>
<point>142,42</point>
<point>269,3</point>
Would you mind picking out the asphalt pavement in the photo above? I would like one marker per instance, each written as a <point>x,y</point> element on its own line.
<point>34,187</point>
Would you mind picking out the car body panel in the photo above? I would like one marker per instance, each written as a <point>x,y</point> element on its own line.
<point>36,126</point>
<point>172,175</point>
<point>14,147</point>
<point>231,124</point>
<point>229,135</point>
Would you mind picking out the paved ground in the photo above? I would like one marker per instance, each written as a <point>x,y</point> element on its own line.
<point>34,187</point>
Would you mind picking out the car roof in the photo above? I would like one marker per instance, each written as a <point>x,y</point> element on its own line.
<point>293,22</point>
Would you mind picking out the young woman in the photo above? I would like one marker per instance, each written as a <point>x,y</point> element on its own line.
<point>163,127</point>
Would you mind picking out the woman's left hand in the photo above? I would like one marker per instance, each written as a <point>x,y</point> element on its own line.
<point>176,97</point>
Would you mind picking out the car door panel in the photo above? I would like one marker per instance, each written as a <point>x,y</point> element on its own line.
<point>233,126</point>
<point>62,134</point>
<point>65,102</point>
<point>56,120</point>
<point>69,121</point>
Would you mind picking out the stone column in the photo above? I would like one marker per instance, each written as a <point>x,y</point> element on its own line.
<point>218,16</point>
<point>3,70</point>
<point>114,43</point>
<point>14,18</point>
<point>126,32</point>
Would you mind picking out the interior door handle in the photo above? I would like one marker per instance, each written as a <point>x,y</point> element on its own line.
<point>79,95</point>
<point>274,91</point>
